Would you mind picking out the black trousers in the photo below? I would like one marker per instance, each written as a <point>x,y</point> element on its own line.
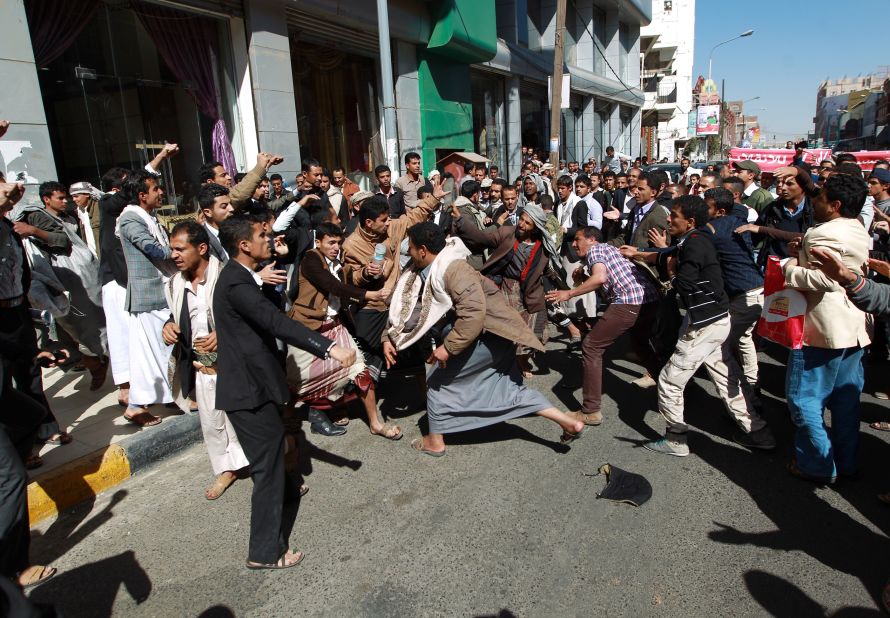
<point>20,416</point>
<point>18,346</point>
<point>261,434</point>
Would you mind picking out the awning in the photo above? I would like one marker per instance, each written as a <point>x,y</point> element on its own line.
<point>603,88</point>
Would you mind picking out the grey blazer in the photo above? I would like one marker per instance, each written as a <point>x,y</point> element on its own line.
<point>147,262</point>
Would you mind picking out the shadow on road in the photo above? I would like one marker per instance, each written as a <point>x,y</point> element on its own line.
<point>782,598</point>
<point>90,590</point>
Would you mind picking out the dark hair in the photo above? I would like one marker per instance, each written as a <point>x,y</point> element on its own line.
<point>620,175</point>
<point>850,191</point>
<point>137,183</point>
<point>654,179</point>
<point>546,202</point>
<point>114,178</point>
<point>195,233</point>
<point>380,169</point>
<point>736,183</point>
<point>320,216</point>
<point>500,182</point>
<point>275,177</point>
<point>326,172</point>
<point>609,148</point>
<point>844,157</point>
<point>206,173</point>
<point>710,175</point>
<point>851,169</point>
<point>208,193</point>
<point>881,162</point>
<point>564,181</point>
<point>372,208</point>
<point>234,230</point>
<point>239,177</point>
<point>328,229</point>
<point>308,164</point>
<point>684,159</point>
<point>427,234</point>
<point>608,174</point>
<point>423,191</point>
<point>591,232</point>
<point>723,198</point>
<point>494,167</point>
<point>468,167</point>
<point>508,188</point>
<point>480,166</point>
<point>48,188</point>
<point>339,168</point>
<point>693,207</point>
<point>469,188</point>
<point>410,157</point>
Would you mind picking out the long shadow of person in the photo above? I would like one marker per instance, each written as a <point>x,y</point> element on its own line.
<point>66,531</point>
<point>804,521</point>
<point>780,597</point>
<point>90,590</point>
<point>502,432</point>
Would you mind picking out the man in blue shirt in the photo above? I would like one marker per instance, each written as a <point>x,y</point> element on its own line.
<point>742,281</point>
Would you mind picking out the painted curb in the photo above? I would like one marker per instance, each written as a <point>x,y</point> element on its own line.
<point>88,476</point>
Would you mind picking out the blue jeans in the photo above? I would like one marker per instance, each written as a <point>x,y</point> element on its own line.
<point>818,378</point>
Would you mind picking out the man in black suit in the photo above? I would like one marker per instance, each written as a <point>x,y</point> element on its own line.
<point>251,386</point>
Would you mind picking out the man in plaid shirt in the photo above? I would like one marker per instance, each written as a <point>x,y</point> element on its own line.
<point>632,307</point>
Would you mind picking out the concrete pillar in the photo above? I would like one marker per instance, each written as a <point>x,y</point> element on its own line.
<point>611,45</point>
<point>588,134</point>
<point>507,15</point>
<point>584,50</point>
<point>408,104</point>
<point>514,129</point>
<point>273,85</point>
<point>25,150</point>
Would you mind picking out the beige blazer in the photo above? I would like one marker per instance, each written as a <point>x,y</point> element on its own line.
<point>832,321</point>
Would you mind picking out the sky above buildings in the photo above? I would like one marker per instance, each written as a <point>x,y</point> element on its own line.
<point>795,46</point>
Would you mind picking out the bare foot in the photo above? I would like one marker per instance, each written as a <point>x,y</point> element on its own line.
<point>35,574</point>
<point>390,432</point>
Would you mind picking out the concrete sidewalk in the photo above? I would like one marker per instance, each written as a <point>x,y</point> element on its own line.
<point>106,449</point>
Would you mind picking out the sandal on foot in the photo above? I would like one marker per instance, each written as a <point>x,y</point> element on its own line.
<point>343,421</point>
<point>568,436</point>
<point>63,437</point>
<point>880,425</point>
<point>303,489</point>
<point>35,574</point>
<point>390,432</point>
<point>281,564</point>
<point>33,461</point>
<point>144,419</point>
<point>219,487</point>
<point>417,445</point>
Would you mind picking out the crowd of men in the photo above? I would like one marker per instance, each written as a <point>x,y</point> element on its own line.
<point>271,296</point>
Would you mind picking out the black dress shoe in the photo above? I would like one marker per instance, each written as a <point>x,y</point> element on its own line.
<point>322,425</point>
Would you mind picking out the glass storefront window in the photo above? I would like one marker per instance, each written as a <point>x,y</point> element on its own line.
<point>535,112</point>
<point>488,118</point>
<point>110,99</point>
<point>336,97</point>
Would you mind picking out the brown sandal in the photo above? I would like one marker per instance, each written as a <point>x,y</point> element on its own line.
<point>35,574</point>
<point>219,487</point>
<point>144,419</point>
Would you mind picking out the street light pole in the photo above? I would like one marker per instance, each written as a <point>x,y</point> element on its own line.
<point>710,66</point>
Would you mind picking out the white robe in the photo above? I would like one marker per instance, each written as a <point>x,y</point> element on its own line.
<point>117,323</point>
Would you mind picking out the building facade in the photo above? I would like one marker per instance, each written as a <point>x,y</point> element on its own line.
<point>849,112</point>
<point>667,48</point>
<point>227,79</point>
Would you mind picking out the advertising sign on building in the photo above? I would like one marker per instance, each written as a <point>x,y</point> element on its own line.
<point>708,94</point>
<point>707,120</point>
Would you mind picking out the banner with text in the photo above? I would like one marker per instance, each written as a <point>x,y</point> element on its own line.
<point>769,159</point>
<point>707,120</point>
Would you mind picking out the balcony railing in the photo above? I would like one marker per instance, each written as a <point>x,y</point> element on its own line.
<point>667,96</point>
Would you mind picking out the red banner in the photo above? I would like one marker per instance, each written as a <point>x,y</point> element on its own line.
<point>769,159</point>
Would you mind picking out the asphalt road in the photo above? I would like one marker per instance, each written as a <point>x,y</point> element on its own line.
<point>507,524</point>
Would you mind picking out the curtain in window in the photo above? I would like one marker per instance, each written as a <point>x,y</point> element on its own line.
<point>187,43</point>
<point>54,25</point>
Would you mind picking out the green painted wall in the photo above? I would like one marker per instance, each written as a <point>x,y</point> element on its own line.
<point>465,32</point>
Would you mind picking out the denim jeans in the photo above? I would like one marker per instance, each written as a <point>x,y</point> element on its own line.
<point>819,378</point>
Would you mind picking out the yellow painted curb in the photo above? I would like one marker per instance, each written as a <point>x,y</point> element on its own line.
<point>76,481</point>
